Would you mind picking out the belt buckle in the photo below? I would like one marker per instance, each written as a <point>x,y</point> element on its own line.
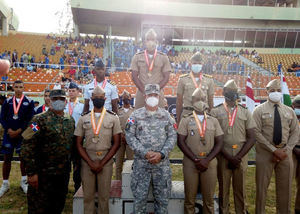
<point>235,146</point>
<point>280,146</point>
<point>98,153</point>
<point>202,154</point>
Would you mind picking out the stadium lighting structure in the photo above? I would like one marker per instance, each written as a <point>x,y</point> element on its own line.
<point>209,41</point>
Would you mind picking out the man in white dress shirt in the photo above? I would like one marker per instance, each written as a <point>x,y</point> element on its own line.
<point>111,91</point>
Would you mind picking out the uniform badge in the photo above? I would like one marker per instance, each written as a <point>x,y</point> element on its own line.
<point>192,133</point>
<point>175,126</point>
<point>34,126</point>
<point>25,103</point>
<point>130,122</point>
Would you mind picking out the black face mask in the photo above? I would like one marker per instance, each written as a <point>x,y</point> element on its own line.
<point>126,101</point>
<point>98,102</point>
<point>231,96</point>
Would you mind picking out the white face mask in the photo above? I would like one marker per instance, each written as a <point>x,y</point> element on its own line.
<point>152,101</point>
<point>275,96</point>
<point>196,68</point>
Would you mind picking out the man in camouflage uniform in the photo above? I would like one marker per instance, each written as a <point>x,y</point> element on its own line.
<point>150,132</point>
<point>46,153</point>
<point>123,114</point>
<point>187,84</point>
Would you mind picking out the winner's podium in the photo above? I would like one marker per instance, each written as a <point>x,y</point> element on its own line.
<point>121,198</point>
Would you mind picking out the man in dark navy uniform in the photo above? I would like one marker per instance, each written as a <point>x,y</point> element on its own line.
<point>16,113</point>
<point>46,105</point>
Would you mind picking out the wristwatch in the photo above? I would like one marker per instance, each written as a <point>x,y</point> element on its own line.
<point>162,155</point>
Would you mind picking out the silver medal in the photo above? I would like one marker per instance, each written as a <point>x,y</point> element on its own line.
<point>15,117</point>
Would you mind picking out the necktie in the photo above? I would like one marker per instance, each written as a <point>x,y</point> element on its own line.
<point>277,134</point>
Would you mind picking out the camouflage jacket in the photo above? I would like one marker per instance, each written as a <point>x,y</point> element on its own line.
<point>48,144</point>
<point>150,132</point>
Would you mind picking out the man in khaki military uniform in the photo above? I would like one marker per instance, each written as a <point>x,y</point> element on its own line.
<point>277,133</point>
<point>123,114</point>
<point>296,107</point>
<point>239,137</point>
<point>99,128</point>
<point>188,83</point>
<point>150,67</point>
<point>200,139</point>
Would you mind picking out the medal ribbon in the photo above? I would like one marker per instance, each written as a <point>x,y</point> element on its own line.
<point>103,84</point>
<point>195,82</point>
<point>96,130</point>
<point>70,107</point>
<point>203,129</point>
<point>231,118</point>
<point>150,66</point>
<point>17,108</point>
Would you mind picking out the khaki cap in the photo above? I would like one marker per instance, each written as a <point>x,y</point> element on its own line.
<point>196,58</point>
<point>230,84</point>
<point>297,99</point>
<point>98,91</point>
<point>125,93</point>
<point>151,34</point>
<point>274,84</point>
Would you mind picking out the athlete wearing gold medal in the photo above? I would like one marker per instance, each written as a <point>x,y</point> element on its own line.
<point>150,67</point>
<point>100,128</point>
<point>200,139</point>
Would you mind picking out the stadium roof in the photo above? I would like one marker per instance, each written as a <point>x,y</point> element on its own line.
<point>9,13</point>
<point>127,17</point>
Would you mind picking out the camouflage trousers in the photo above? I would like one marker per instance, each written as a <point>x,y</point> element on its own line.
<point>146,175</point>
<point>50,196</point>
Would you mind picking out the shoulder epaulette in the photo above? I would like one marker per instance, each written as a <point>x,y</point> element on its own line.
<point>187,115</point>
<point>111,82</point>
<point>218,105</point>
<point>85,113</point>
<point>243,106</point>
<point>208,76</point>
<point>111,112</point>
<point>183,75</point>
<point>160,52</point>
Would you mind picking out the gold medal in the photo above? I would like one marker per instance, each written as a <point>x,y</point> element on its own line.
<point>202,129</point>
<point>96,130</point>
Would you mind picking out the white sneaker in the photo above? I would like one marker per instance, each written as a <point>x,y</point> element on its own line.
<point>4,188</point>
<point>24,186</point>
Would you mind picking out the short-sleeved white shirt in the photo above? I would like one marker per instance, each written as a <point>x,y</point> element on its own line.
<point>111,93</point>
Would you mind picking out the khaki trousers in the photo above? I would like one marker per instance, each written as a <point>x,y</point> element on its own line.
<point>283,180</point>
<point>297,176</point>
<point>207,179</point>
<point>120,159</point>
<point>238,184</point>
<point>103,180</point>
<point>140,100</point>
